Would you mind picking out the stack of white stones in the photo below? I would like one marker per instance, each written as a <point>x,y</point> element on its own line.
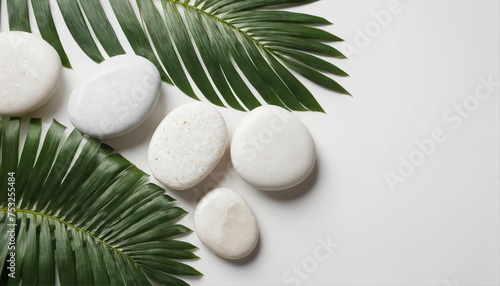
<point>113,99</point>
<point>271,149</point>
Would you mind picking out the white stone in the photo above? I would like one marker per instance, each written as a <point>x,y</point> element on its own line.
<point>30,72</point>
<point>187,145</point>
<point>225,224</point>
<point>272,149</point>
<point>115,97</point>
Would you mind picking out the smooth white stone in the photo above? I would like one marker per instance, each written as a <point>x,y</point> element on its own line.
<point>115,97</point>
<point>272,149</point>
<point>187,145</point>
<point>30,72</point>
<point>225,224</point>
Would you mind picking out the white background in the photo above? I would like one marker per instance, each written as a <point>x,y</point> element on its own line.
<point>440,226</point>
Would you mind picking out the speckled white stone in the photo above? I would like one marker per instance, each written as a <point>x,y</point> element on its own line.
<point>115,97</point>
<point>30,72</point>
<point>272,149</point>
<point>225,224</point>
<point>187,145</point>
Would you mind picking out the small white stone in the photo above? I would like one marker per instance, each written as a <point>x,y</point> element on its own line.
<point>187,145</point>
<point>272,149</point>
<point>115,97</point>
<point>225,224</point>
<point>30,72</point>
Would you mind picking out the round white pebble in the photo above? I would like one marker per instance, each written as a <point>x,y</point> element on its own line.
<point>30,72</point>
<point>115,97</point>
<point>187,145</point>
<point>225,224</point>
<point>272,149</point>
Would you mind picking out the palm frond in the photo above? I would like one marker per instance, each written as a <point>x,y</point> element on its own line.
<point>77,207</point>
<point>227,48</point>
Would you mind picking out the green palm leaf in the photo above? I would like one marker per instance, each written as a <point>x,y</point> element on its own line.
<point>227,48</point>
<point>85,211</point>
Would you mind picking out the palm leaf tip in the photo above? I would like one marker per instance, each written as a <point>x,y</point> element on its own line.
<point>89,214</point>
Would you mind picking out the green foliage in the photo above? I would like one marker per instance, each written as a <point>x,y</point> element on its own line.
<point>224,47</point>
<point>78,207</point>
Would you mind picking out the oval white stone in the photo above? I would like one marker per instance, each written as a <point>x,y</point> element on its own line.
<point>272,149</point>
<point>30,72</point>
<point>115,97</point>
<point>187,145</point>
<point>225,224</point>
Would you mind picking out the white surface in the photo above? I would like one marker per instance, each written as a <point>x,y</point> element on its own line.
<point>226,224</point>
<point>115,97</point>
<point>30,71</point>
<point>272,149</point>
<point>438,227</point>
<point>187,145</point>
